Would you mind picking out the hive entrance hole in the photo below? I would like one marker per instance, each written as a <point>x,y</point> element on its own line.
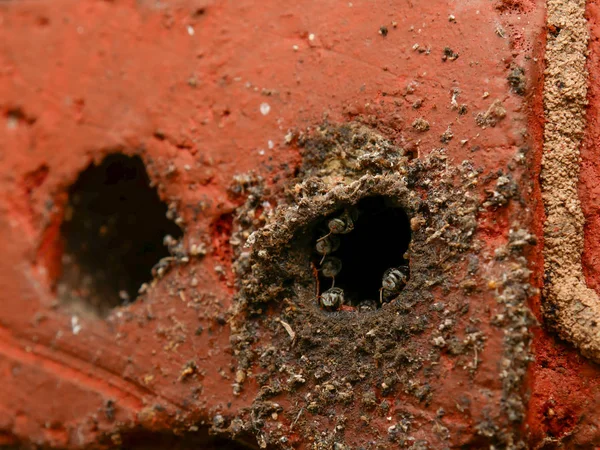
<point>378,242</point>
<point>200,439</point>
<point>112,235</point>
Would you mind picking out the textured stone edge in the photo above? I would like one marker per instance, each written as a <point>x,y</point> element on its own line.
<point>569,305</point>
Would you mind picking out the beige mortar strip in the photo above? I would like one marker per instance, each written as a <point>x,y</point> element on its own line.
<point>572,307</point>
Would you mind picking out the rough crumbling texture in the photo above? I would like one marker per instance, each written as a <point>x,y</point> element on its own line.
<point>347,369</point>
<point>572,307</point>
<point>255,123</point>
<point>565,384</point>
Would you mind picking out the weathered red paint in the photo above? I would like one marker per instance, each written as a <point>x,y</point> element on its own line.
<point>565,385</point>
<point>183,84</point>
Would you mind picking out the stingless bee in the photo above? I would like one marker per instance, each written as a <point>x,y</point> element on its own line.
<point>331,267</point>
<point>343,224</point>
<point>367,305</point>
<point>332,298</point>
<point>327,246</point>
<point>393,281</point>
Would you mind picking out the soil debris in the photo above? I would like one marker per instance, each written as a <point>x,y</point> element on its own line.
<point>449,55</point>
<point>421,125</point>
<point>517,80</point>
<point>374,355</point>
<point>494,114</point>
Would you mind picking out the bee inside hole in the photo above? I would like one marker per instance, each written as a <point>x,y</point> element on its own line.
<point>367,241</point>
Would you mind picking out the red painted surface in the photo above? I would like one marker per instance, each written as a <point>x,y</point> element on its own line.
<point>565,386</point>
<point>182,84</point>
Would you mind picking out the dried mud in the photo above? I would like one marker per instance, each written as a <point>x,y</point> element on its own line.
<point>343,368</point>
<point>570,306</point>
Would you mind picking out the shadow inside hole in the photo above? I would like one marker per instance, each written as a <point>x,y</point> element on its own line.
<point>378,242</point>
<point>201,439</point>
<point>112,235</point>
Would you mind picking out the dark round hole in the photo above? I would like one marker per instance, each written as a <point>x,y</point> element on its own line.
<point>201,439</point>
<point>378,242</point>
<point>112,235</point>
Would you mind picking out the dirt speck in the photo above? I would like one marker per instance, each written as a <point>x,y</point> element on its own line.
<point>420,124</point>
<point>494,114</point>
<point>517,80</point>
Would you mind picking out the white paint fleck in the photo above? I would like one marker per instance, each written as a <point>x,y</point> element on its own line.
<point>12,122</point>
<point>261,152</point>
<point>271,145</point>
<point>75,325</point>
<point>265,108</point>
<point>295,48</point>
<point>190,30</point>
<point>311,37</point>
